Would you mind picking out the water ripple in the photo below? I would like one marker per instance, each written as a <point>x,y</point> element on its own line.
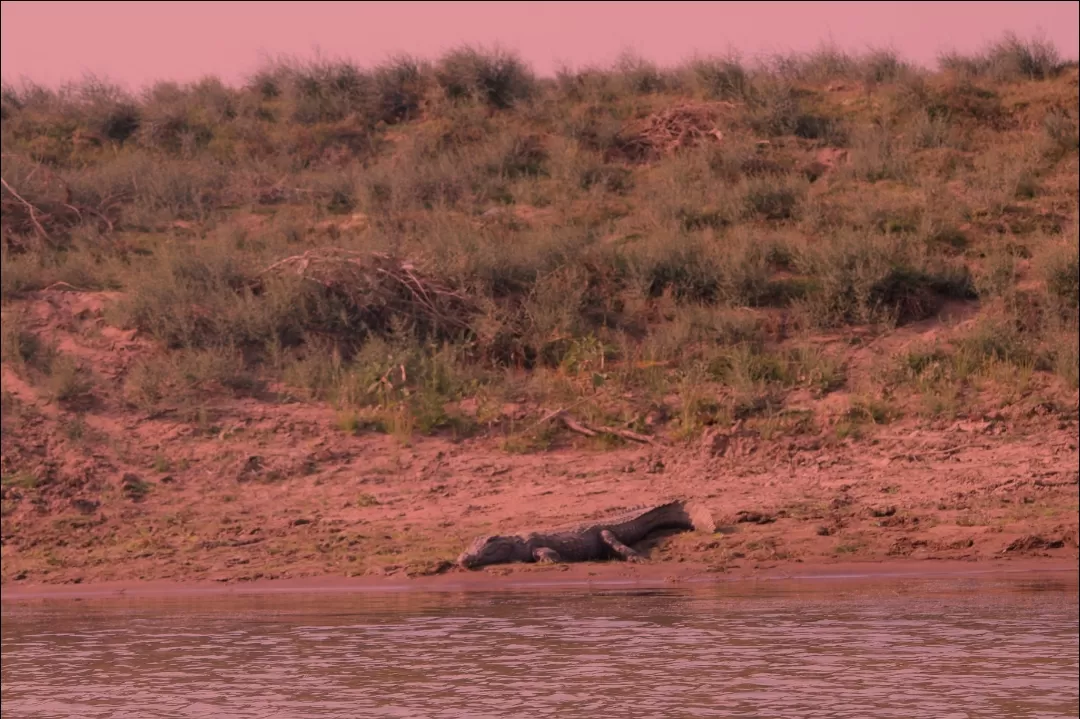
<point>664,654</point>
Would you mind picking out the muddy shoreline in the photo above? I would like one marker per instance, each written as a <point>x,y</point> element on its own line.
<point>377,514</point>
<point>597,576</point>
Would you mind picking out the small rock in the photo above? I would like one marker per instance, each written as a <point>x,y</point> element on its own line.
<point>85,506</point>
<point>904,546</point>
<point>717,444</point>
<point>841,502</point>
<point>251,467</point>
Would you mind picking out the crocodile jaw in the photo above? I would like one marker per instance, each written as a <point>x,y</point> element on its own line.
<point>491,550</point>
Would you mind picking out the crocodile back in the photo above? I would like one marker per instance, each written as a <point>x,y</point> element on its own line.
<point>634,525</point>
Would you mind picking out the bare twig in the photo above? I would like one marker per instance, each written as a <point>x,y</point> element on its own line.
<point>574,426</point>
<point>628,434</point>
<point>62,287</point>
<point>46,216</point>
<point>29,208</point>
<point>554,414</point>
<point>379,287</point>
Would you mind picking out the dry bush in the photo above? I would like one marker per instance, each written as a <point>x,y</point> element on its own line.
<point>38,208</point>
<point>641,77</point>
<point>495,77</point>
<point>381,294</point>
<point>400,87</point>
<point>582,226</point>
<point>878,152</point>
<point>1008,59</point>
<point>720,78</point>
<point>876,278</point>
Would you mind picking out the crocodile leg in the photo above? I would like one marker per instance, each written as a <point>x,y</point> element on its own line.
<point>546,555</point>
<point>618,547</point>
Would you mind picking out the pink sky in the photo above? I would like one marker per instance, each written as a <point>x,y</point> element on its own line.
<point>138,42</point>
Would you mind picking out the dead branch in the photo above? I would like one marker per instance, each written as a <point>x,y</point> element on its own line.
<point>62,287</point>
<point>628,434</point>
<point>47,208</point>
<point>574,426</point>
<point>377,288</point>
<point>31,210</point>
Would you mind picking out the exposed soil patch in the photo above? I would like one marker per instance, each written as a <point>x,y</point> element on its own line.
<point>260,487</point>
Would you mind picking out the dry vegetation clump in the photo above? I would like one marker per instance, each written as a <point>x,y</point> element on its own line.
<point>497,78</point>
<point>45,209</point>
<point>378,294</point>
<point>1010,58</point>
<point>712,241</point>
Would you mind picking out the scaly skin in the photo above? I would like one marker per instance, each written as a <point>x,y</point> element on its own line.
<point>587,541</point>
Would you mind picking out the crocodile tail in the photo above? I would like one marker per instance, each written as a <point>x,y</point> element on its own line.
<point>700,517</point>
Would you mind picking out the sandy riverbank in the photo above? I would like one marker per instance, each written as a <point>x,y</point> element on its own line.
<point>277,492</point>
<point>608,576</point>
<point>375,511</point>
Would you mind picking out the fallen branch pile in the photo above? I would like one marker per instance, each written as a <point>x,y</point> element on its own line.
<point>380,293</point>
<point>664,132</point>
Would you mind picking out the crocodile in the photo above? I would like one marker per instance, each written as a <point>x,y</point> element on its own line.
<point>588,541</point>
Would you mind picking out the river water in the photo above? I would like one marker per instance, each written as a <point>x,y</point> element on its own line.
<point>933,648</point>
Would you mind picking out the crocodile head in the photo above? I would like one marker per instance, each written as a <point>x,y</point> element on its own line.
<point>492,549</point>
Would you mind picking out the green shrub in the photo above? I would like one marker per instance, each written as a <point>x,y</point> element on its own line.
<point>721,78</point>
<point>496,77</point>
<point>400,86</point>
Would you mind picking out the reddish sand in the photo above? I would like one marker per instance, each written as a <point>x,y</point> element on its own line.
<point>267,488</point>
<point>1062,573</point>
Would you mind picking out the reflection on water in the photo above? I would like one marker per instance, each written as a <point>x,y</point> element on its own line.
<point>900,650</point>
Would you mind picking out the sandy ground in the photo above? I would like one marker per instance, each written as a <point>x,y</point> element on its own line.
<point>264,489</point>
<point>892,576</point>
